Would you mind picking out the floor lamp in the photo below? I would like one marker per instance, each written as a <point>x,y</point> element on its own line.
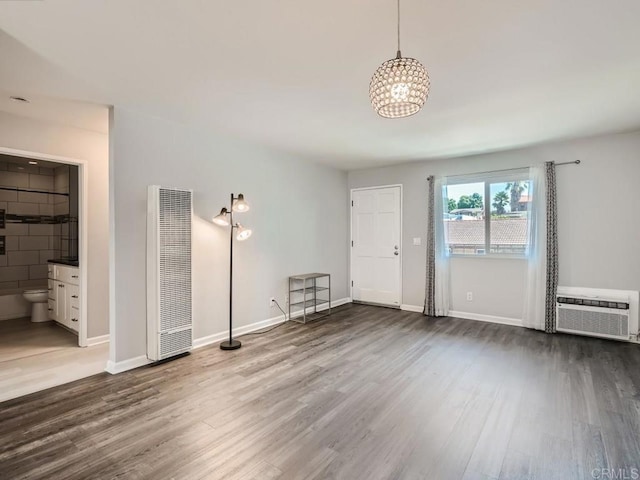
<point>225,219</point>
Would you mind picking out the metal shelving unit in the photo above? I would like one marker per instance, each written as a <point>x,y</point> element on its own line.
<point>309,290</point>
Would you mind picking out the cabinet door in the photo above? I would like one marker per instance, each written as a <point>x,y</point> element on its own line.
<point>53,310</point>
<point>61,305</point>
<point>73,306</point>
<point>74,318</point>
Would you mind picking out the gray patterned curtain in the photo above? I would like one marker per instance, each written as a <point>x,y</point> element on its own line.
<point>552,250</point>
<point>429,299</point>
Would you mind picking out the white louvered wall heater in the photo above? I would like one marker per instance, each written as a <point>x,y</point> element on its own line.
<point>597,313</point>
<point>169,245</point>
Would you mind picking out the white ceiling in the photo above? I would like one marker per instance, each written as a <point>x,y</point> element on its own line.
<point>294,75</point>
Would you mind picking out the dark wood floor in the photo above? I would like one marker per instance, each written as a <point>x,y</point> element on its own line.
<point>369,393</point>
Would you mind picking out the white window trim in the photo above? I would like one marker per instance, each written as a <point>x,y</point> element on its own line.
<point>487,179</point>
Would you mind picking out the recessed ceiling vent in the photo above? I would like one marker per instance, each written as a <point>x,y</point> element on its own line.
<point>169,303</point>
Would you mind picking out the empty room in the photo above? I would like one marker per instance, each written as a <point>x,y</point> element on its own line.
<point>393,239</point>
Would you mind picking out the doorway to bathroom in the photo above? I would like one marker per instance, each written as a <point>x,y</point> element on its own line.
<point>43,288</point>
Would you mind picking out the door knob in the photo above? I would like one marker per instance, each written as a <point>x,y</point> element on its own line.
<point>396,247</point>
<point>396,253</point>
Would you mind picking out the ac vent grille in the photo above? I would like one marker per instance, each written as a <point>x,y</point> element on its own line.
<point>174,343</point>
<point>169,272</point>
<point>599,323</point>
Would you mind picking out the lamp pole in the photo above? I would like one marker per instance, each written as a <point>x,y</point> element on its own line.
<point>225,219</point>
<point>231,344</point>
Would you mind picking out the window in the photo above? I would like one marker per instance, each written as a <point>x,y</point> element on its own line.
<point>487,215</point>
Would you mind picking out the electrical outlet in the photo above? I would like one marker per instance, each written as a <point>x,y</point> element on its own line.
<point>469,296</point>
<point>272,302</point>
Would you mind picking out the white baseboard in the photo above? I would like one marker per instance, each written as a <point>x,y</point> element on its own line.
<point>119,367</point>
<point>320,308</point>
<point>97,340</point>
<point>252,327</point>
<point>515,322</point>
<point>411,308</point>
<point>12,316</point>
<point>130,364</point>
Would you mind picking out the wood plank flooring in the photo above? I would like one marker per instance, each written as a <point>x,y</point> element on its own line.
<point>368,393</point>
<point>35,356</point>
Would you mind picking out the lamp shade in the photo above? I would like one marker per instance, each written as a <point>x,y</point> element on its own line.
<point>242,233</point>
<point>399,87</point>
<point>222,218</point>
<point>240,205</point>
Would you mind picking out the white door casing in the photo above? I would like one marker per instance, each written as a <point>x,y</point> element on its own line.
<point>376,253</point>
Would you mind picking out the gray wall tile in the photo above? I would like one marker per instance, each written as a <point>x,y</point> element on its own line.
<point>17,229</point>
<point>23,208</point>
<point>37,272</point>
<point>30,197</point>
<point>12,242</point>
<point>41,229</point>
<point>34,243</point>
<point>45,209</point>
<point>14,179</point>
<point>8,196</point>
<point>8,285</point>
<point>10,274</point>
<point>23,258</point>
<point>36,283</point>
<point>41,182</point>
<point>46,255</point>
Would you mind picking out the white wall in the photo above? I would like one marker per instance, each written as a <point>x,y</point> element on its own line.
<point>298,214</point>
<point>598,224</point>
<point>40,137</point>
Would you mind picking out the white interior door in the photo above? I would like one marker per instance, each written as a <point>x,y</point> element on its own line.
<point>376,251</point>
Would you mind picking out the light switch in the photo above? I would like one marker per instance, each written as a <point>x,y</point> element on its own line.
<point>417,241</point>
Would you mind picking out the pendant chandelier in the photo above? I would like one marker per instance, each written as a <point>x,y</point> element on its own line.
<point>400,86</point>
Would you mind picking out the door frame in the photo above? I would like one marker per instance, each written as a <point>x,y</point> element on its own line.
<point>83,209</point>
<point>377,187</point>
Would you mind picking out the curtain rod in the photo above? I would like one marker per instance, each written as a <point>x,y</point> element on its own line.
<point>26,190</point>
<point>573,162</point>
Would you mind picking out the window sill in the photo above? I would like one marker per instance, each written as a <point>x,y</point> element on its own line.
<point>493,257</point>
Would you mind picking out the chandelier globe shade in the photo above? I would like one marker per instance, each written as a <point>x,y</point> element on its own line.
<point>399,87</point>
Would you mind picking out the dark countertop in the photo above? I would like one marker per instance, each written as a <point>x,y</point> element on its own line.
<point>64,261</point>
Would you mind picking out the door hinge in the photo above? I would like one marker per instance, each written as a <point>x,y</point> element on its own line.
<point>352,283</point>
<point>352,203</point>
<point>352,243</point>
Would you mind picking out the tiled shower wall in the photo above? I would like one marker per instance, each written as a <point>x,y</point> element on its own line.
<point>28,245</point>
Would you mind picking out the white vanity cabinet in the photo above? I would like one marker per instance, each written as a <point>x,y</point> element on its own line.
<point>64,295</point>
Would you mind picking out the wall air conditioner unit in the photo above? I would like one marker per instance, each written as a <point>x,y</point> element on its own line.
<point>169,308</point>
<point>597,312</point>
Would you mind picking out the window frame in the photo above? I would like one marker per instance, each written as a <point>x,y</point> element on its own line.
<point>487,179</point>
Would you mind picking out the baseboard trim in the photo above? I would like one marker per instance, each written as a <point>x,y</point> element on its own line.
<point>514,322</point>
<point>411,308</point>
<point>13,316</point>
<point>218,337</point>
<point>130,364</point>
<point>119,367</point>
<point>97,340</point>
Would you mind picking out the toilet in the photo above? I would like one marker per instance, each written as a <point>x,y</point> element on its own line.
<point>39,310</point>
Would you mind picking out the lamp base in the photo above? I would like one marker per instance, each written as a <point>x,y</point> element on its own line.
<point>230,345</point>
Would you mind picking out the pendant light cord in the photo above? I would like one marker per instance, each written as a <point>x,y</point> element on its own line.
<point>398,28</point>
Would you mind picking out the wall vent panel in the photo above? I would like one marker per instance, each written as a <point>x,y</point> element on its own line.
<point>169,272</point>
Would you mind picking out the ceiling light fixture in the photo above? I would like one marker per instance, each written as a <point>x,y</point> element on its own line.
<point>19,99</point>
<point>400,86</point>
<point>32,162</point>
